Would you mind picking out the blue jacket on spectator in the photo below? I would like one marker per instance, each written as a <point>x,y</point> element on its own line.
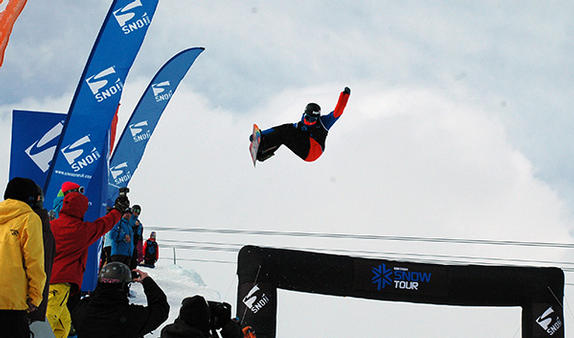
<point>118,236</point>
<point>138,229</point>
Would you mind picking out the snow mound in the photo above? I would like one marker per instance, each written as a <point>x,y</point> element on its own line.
<point>177,283</point>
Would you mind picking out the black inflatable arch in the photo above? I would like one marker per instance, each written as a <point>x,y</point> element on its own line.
<point>261,271</point>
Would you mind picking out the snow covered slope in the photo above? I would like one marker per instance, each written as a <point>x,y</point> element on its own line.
<point>177,282</point>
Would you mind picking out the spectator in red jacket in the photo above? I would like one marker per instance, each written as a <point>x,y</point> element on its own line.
<point>151,251</point>
<point>73,238</point>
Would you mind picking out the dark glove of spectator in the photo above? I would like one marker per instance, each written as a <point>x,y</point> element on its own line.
<point>220,312</point>
<point>122,203</point>
<point>347,90</point>
<point>232,329</point>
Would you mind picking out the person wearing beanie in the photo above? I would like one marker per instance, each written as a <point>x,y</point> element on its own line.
<point>137,239</point>
<point>122,240</point>
<point>106,313</point>
<point>151,251</point>
<point>67,187</point>
<point>201,319</point>
<point>73,239</point>
<point>192,322</point>
<point>22,275</point>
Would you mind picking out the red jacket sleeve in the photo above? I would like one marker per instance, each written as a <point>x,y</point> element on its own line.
<point>99,227</point>
<point>343,98</point>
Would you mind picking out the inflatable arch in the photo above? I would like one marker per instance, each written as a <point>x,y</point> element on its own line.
<point>261,271</point>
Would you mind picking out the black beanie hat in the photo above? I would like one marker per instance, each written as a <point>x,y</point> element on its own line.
<point>21,189</point>
<point>195,312</point>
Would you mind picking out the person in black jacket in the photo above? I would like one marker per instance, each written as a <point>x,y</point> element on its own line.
<point>201,319</point>
<point>107,312</point>
<point>49,252</point>
<point>305,138</point>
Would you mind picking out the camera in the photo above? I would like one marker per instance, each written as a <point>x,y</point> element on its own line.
<point>220,314</point>
<point>124,191</point>
<point>135,274</point>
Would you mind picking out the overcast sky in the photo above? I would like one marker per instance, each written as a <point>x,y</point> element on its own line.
<point>458,125</point>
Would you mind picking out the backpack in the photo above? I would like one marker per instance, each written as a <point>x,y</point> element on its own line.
<point>151,248</point>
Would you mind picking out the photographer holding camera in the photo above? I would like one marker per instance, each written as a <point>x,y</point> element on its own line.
<point>107,313</point>
<point>201,319</point>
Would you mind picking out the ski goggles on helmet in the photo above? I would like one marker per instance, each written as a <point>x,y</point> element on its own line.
<point>81,190</point>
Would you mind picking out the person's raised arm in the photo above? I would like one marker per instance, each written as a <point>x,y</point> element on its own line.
<point>329,120</point>
<point>157,309</point>
<point>343,98</point>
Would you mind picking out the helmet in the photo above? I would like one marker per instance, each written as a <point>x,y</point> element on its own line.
<point>115,273</point>
<point>137,208</point>
<point>312,112</point>
<point>313,109</point>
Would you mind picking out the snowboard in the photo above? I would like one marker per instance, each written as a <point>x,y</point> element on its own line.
<point>255,140</point>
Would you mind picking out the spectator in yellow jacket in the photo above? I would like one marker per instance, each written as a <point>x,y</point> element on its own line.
<point>22,275</point>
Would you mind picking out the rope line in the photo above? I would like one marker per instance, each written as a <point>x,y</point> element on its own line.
<point>368,237</point>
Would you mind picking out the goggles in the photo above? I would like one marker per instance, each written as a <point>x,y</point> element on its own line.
<point>311,118</point>
<point>81,190</point>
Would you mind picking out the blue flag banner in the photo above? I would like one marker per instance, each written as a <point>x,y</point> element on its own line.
<point>81,146</point>
<point>133,141</point>
<point>96,193</point>
<point>35,136</point>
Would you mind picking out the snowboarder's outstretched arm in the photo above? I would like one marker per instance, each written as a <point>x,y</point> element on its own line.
<point>329,120</point>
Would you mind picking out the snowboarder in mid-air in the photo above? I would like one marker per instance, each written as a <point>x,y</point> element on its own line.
<point>305,138</point>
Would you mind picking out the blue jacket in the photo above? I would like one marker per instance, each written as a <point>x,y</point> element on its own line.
<point>138,229</point>
<point>108,239</point>
<point>57,204</point>
<point>118,234</point>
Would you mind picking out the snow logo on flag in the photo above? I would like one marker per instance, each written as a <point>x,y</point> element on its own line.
<point>120,174</point>
<point>105,84</point>
<point>140,131</point>
<point>162,91</point>
<point>129,19</point>
<point>81,153</point>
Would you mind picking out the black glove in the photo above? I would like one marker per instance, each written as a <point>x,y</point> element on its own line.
<point>232,330</point>
<point>122,203</point>
<point>347,90</point>
<point>220,313</point>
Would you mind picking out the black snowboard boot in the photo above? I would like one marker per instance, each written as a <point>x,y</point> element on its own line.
<point>263,155</point>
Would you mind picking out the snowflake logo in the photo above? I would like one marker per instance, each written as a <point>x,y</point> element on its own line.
<point>382,276</point>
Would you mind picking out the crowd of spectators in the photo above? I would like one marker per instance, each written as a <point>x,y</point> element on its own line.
<point>44,258</point>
